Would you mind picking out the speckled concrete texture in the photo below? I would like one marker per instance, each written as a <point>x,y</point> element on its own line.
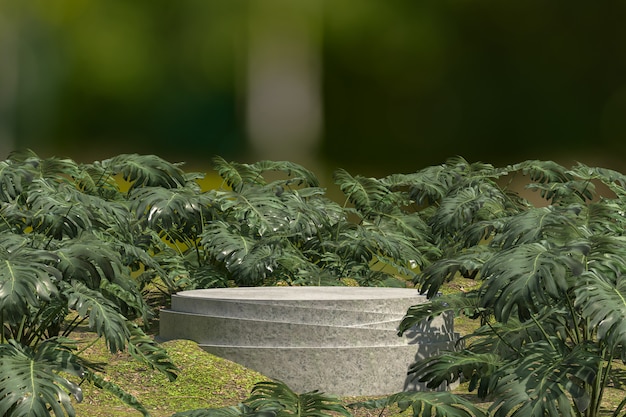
<point>279,313</point>
<point>342,371</point>
<point>340,340</point>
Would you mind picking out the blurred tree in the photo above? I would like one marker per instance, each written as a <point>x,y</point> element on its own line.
<point>153,77</point>
<point>485,79</point>
<point>284,104</point>
<point>404,84</point>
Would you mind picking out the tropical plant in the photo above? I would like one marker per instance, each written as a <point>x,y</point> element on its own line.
<point>272,223</point>
<point>276,395</point>
<point>549,258</point>
<point>87,244</point>
<point>91,244</point>
<point>71,246</point>
<point>435,404</point>
<point>275,399</point>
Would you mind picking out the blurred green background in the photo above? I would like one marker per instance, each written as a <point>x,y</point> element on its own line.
<point>373,86</point>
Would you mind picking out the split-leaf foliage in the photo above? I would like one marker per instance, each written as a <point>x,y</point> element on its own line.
<point>546,246</point>
<point>102,245</point>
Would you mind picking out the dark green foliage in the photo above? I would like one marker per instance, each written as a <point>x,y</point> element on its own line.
<point>276,225</point>
<point>275,399</point>
<point>30,380</point>
<point>238,176</point>
<point>435,404</point>
<point>241,410</point>
<point>276,395</point>
<point>101,244</point>
<point>550,294</point>
<point>69,243</point>
<point>145,171</point>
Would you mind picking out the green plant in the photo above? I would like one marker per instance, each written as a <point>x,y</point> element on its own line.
<point>274,224</point>
<point>271,223</point>
<point>550,260</point>
<point>88,244</point>
<point>102,244</point>
<point>71,245</point>
<point>436,404</point>
<point>275,399</point>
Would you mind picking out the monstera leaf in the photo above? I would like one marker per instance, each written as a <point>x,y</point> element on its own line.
<point>466,205</point>
<point>367,194</point>
<point>238,175</point>
<point>18,172</point>
<point>449,367</point>
<point>147,351</point>
<point>14,178</point>
<point>466,262</point>
<point>241,410</point>
<point>548,379</point>
<point>104,318</point>
<point>260,209</point>
<point>31,381</point>
<point>58,169</point>
<point>558,224</point>
<point>603,303</point>
<point>456,303</point>
<point>427,186</point>
<point>543,171</point>
<point>434,404</point>
<point>519,279</point>
<point>165,208</point>
<point>27,279</point>
<point>276,395</point>
<point>145,171</point>
<point>56,211</point>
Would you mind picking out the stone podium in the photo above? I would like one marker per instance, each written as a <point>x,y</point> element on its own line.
<point>339,340</point>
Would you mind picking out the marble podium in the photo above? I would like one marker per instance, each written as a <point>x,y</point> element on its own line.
<point>339,340</point>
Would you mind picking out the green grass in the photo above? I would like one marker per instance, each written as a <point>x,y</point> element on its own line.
<point>205,381</point>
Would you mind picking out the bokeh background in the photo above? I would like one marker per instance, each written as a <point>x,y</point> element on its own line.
<point>375,87</point>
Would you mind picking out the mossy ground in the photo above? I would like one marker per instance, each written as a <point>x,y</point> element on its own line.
<point>206,381</point>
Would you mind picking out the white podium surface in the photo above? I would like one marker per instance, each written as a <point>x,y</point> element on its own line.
<point>339,340</point>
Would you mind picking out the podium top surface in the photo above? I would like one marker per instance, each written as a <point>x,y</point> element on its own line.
<point>302,293</point>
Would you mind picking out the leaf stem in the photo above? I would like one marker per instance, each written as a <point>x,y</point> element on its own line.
<point>494,331</point>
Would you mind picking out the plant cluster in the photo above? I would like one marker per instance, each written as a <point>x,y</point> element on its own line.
<point>549,258</point>
<point>73,252</point>
<point>273,224</point>
<point>91,244</point>
<point>275,399</point>
<point>100,245</point>
<point>546,246</point>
